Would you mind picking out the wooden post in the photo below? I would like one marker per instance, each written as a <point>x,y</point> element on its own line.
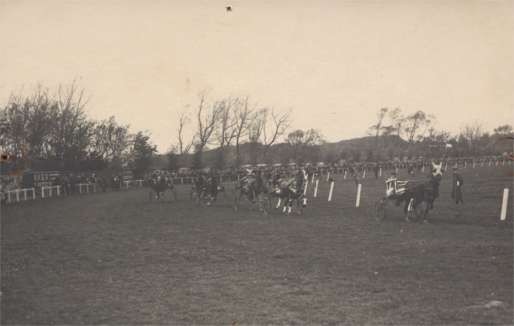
<point>331,191</point>
<point>505,199</point>
<point>358,199</point>
<point>316,188</point>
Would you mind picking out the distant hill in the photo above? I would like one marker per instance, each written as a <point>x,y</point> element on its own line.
<point>356,148</point>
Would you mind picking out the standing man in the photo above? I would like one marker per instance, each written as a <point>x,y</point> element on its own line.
<point>457,187</point>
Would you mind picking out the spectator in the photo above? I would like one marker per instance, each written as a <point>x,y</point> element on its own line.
<point>457,182</point>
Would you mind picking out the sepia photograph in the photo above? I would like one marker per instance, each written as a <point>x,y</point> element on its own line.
<point>256,162</point>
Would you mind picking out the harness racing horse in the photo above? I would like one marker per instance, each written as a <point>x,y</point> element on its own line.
<point>419,199</point>
<point>255,189</point>
<point>158,187</point>
<point>205,190</point>
<point>290,191</point>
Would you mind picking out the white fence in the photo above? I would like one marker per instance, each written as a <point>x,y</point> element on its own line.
<point>50,193</point>
<point>14,195</point>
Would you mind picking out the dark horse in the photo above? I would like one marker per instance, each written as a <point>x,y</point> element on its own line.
<point>255,188</point>
<point>159,185</point>
<point>419,199</point>
<point>290,191</point>
<point>205,189</point>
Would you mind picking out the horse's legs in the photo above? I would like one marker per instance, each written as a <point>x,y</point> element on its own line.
<point>290,206</point>
<point>279,201</point>
<point>286,203</point>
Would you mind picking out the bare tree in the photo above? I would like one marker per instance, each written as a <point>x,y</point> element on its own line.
<point>303,144</point>
<point>416,122</point>
<point>274,126</point>
<point>255,130</point>
<point>225,131</point>
<point>111,140</point>
<point>472,134</point>
<point>378,127</point>
<point>503,130</point>
<point>183,147</point>
<point>242,115</point>
<point>72,132</point>
<point>207,119</point>
<point>397,121</point>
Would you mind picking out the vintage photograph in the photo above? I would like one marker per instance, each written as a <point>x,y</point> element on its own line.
<point>256,162</point>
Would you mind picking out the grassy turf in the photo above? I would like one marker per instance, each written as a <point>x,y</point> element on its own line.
<point>117,258</point>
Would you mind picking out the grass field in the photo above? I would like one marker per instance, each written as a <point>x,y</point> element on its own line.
<point>117,258</point>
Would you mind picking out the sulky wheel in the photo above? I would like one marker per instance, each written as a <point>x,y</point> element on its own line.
<point>421,211</point>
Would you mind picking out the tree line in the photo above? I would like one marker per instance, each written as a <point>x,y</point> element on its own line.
<point>51,129</point>
<point>418,130</point>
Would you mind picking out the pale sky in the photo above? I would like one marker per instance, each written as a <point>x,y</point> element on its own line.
<point>335,63</point>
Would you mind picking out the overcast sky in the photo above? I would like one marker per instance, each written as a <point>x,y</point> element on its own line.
<point>335,63</point>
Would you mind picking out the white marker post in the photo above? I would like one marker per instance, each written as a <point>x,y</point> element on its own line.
<point>364,174</point>
<point>503,214</point>
<point>380,172</point>
<point>328,176</point>
<point>331,191</point>
<point>358,200</point>
<point>316,188</point>
<point>278,202</point>
<point>344,177</point>
<point>423,168</point>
